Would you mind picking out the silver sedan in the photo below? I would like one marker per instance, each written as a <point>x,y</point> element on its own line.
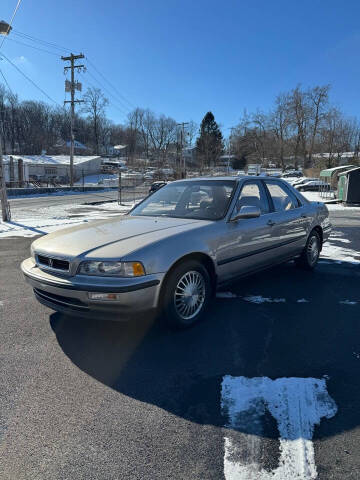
<point>175,248</point>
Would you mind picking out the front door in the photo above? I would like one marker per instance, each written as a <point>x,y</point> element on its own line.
<point>246,243</point>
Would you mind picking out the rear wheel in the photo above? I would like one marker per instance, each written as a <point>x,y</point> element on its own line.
<point>187,294</point>
<point>311,252</point>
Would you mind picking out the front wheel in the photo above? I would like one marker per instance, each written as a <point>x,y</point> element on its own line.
<point>311,252</point>
<point>187,294</point>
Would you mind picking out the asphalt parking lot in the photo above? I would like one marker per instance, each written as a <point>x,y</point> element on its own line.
<point>86,399</point>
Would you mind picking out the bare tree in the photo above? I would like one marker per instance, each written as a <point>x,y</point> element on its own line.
<point>95,106</point>
<point>280,122</point>
<point>192,130</point>
<point>318,97</point>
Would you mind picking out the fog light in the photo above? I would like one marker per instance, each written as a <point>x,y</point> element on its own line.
<point>104,296</point>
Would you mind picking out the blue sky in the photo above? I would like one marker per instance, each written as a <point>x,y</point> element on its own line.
<point>183,58</point>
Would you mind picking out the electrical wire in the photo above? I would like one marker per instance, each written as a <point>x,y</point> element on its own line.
<point>109,83</point>
<point>29,79</point>
<point>36,48</point>
<point>7,84</point>
<point>123,113</point>
<point>125,110</point>
<point>28,37</point>
<point>11,22</point>
<point>123,105</point>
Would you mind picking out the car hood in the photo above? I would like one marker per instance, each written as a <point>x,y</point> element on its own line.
<point>126,231</point>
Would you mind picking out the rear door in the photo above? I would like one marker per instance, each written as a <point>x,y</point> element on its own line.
<point>289,217</point>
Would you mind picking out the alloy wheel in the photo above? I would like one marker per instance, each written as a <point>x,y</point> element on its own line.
<point>313,250</point>
<point>189,295</point>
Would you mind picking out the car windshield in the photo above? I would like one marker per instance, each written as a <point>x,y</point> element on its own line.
<point>197,199</point>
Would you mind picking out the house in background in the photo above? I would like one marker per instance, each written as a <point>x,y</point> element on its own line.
<point>62,147</point>
<point>44,168</point>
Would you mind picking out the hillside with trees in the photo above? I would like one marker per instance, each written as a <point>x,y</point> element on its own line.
<point>302,126</point>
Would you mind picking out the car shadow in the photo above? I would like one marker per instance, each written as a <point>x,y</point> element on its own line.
<point>309,334</point>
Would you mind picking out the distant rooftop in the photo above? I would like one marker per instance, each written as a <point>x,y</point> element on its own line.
<point>52,159</point>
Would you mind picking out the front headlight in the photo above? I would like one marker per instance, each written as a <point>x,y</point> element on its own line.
<point>112,269</point>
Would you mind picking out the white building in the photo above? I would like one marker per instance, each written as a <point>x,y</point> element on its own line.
<point>14,176</point>
<point>57,167</point>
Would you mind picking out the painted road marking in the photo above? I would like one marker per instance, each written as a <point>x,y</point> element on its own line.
<point>297,405</point>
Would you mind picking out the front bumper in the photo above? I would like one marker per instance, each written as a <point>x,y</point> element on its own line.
<point>70,295</point>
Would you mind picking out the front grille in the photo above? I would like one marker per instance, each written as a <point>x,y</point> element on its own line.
<point>53,263</point>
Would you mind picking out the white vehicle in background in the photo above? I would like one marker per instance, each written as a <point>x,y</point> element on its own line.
<point>303,180</point>
<point>313,186</point>
<point>167,171</point>
<point>274,172</point>
<point>254,169</point>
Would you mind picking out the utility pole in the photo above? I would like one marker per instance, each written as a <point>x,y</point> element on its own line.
<point>5,207</point>
<point>229,149</point>
<point>120,188</point>
<point>182,157</point>
<point>71,87</point>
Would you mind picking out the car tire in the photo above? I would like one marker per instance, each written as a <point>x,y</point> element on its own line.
<point>188,292</point>
<point>310,255</point>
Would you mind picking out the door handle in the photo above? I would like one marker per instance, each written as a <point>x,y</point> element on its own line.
<point>271,223</point>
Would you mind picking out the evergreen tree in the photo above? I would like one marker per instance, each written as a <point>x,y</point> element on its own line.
<point>209,144</point>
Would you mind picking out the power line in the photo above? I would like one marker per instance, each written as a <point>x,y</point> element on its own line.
<point>29,79</point>
<point>111,85</point>
<point>38,40</point>
<point>123,102</point>
<point>32,46</point>
<point>125,110</point>
<point>11,22</point>
<point>7,84</point>
<point>123,113</point>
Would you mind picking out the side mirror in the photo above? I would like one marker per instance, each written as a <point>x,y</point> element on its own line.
<point>246,211</point>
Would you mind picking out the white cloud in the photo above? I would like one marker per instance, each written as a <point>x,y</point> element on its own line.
<point>21,60</point>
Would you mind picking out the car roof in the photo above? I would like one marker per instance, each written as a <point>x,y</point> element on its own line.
<point>234,178</point>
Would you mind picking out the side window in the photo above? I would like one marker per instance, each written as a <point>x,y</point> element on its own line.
<point>282,199</point>
<point>253,194</point>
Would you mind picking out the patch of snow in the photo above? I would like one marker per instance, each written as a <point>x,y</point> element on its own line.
<point>59,193</point>
<point>302,300</point>
<point>95,179</point>
<point>315,197</point>
<point>338,253</point>
<point>259,299</point>
<point>225,295</point>
<point>49,219</point>
<point>348,302</point>
<point>297,404</point>
<point>53,159</point>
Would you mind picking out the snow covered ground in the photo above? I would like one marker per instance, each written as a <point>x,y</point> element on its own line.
<point>315,197</point>
<point>39,221</point>
<point>296,404</point>
<point>53,159</point>
<point>96,178</point>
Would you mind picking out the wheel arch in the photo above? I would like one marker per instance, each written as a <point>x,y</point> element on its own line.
<point>201,257</point>
<point>319,231</point>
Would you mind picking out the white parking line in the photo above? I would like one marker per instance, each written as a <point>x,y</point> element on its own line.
<point>297,404</point>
